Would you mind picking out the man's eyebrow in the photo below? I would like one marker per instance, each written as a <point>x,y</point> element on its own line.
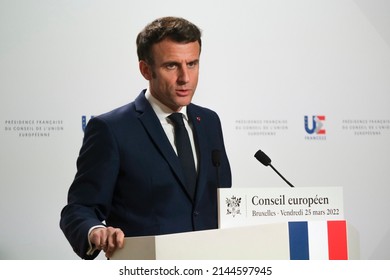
<point>174,62</point>
<point>170,62</point>
<point>194,61</point>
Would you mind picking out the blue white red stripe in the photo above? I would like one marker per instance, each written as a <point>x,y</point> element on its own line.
<point>318,240</point>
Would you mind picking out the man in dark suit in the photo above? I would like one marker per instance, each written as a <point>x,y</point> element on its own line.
<point>130,181</point>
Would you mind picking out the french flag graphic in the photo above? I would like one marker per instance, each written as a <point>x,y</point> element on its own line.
<point>318,240</point>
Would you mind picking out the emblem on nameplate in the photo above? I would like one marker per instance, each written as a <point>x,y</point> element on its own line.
<point>233,206</point>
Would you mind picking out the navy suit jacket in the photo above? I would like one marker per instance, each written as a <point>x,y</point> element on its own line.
<point>129,176</point>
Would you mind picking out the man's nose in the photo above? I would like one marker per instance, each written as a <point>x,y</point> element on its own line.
<point>184,76</point>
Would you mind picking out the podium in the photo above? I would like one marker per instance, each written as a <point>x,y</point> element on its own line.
<point>273,241</point>
<point>260,223</point>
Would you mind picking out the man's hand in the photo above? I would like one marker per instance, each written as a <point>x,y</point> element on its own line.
<point>107,239</point>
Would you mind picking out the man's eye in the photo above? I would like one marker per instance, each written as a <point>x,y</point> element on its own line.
<point>170,66</point>
<point>192,64</point>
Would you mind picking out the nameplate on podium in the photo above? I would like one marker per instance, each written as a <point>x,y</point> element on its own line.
<point>254,206</point>
<point>258,223</point>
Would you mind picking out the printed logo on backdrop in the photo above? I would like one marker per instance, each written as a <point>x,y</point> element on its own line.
<point>262,127</point>
<point>84,122</point>
<point>366,127</point>
<point>33,128</point>
<point>315,127</point>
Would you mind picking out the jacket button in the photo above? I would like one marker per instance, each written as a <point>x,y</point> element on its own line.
<point>196,213</point>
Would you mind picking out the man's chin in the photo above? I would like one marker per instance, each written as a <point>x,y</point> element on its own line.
<point>184,100</point>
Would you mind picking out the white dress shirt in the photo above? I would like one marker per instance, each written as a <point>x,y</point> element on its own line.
<point>162,113</point>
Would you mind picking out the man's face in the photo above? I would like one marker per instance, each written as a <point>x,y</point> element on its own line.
<point>174,75</point>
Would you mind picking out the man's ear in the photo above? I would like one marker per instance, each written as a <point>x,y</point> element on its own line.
<point>145,70</point>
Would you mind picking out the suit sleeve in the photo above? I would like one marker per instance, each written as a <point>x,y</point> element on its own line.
<point>90,194</point>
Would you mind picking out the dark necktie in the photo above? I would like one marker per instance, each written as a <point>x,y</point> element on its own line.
<point>184,151</point>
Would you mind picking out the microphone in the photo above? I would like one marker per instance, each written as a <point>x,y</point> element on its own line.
<point>216,159</point>
<point>265,160</point>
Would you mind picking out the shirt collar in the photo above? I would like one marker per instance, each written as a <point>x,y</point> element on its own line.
<point>162,111</point>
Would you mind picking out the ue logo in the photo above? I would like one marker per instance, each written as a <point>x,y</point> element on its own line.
<point>316,126</point>
<point>84,122</point>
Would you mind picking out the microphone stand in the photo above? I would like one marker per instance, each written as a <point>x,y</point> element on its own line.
<point>281,176</point>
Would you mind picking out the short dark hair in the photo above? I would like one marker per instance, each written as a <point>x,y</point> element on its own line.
<point>177,29</point>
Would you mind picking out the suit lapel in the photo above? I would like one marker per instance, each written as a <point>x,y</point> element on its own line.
<point>155,131</point>
<point>195,117</point>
